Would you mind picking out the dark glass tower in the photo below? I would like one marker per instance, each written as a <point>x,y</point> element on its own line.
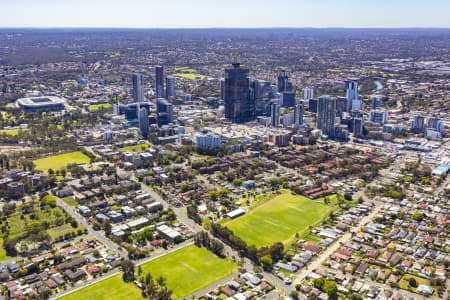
<point>282,83</point>
<point>159,70</point>
<point>239,106</point>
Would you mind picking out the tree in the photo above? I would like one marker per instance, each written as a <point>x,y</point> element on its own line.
<point>412,282</point>
<point>128,270</point>
<point>213,195</point>
<point>417,216</point>
<point>294,295</point>
<point>319,283</point>
<point>276,251</point>
<point>267,262</point>
<point>330,288</point>
<point>107,228</point>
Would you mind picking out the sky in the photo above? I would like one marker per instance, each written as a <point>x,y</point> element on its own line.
<point>224,13</point>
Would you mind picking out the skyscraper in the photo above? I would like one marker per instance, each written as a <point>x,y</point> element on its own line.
<point>288,99</point>
<point>378,116</point>
<point>144,123</point>
<point>282,82</point>
<point>307,93</point>
<point>239,106</point>
<point>274,114</point>
<point>260,92</point>
<point>354,101</point>
<point>326,114</point>
<point>298,114</point>
<point>341,106</point>
<point>164,111</point>
<point>418,124</point>
<point>358,127</point>
<point>138,87</point>
<point>159,82</point>
<point>312,105</point>
<point>170,86</point>
<point>222,88</point>
<point>435,124</point>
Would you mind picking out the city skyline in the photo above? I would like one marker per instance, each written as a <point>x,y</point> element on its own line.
<point>230,14</point>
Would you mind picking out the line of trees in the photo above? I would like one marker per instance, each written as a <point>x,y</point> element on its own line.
<point>203,239</point>
<point>275,251</point>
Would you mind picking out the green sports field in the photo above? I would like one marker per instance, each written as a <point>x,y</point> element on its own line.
<point>60,161</point>
<point>279,219</point>
<point>112,288</point>
<point>190,76</point>
<point>12,132</point>
<point>189,269</point>
<point>104,106</point>
<point>135,148</point>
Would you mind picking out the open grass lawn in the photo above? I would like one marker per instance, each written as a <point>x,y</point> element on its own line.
<point>104,106</point>
<point>60,161</point>
<point>137,148</point>
<point>279,219</point>
<point>189,269</point>
<point>112,288</point>
<point>12,132</point>
<point>62,230</point>
<point>70,201</point>
<point>185,70</point>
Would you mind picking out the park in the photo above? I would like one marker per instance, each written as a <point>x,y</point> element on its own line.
<point>279,219</point>
<point>60,161</point>
<point>112,288</point>
<point>191,269</point>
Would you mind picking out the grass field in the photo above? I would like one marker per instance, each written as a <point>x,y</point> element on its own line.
<point>185,70</point>
<point>12,132</point>
<point>60,161</point>
<point>70,201</point>
<point>279,219</point>
<point>190,76</point>
<point>189,270</point>
<point>62,230</point>
<point>138,148</point>
<point>95,107</point>
<point>109,289</point>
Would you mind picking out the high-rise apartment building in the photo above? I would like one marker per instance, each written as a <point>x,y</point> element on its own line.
<point>326,114</point>
<point>170,87</point>
<point>298,114</point>
<point>282,82</point>
<point>354,101</point>
<point>274,114</point>
<point>159,82</point>
<point>307,93</point>
<point>138,87</point>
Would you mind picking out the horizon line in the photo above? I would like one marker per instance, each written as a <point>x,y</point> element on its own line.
<point>218,27</point>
